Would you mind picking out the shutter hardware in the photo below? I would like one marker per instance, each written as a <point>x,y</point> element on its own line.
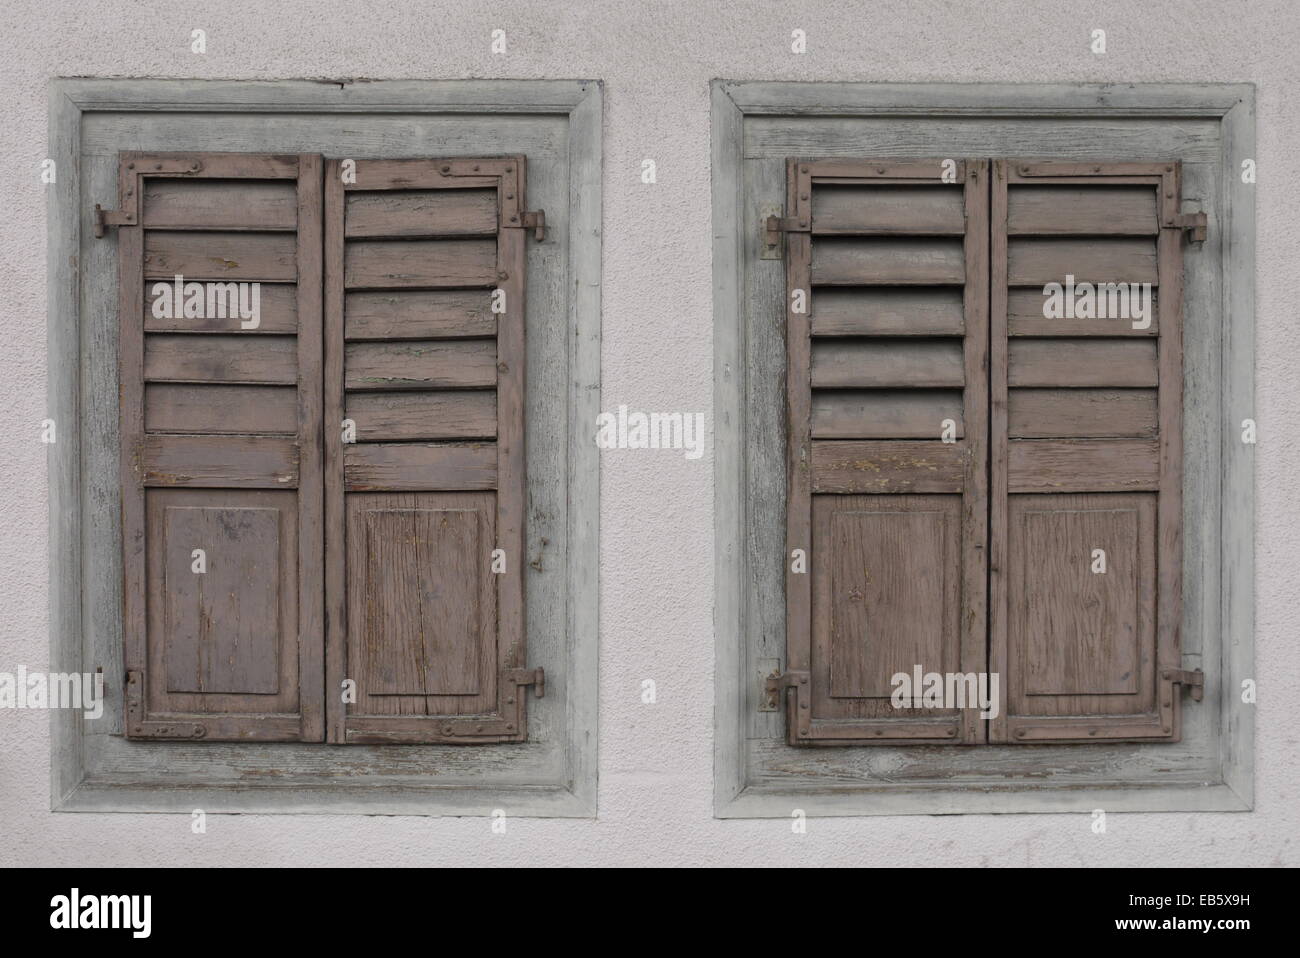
<point>1194,223</point>
<point>535,221</point>
<point>129,189</point>
<point>776,684</point>
<point>137,725</point>
<point>774,224</point>
<point>1192,680</point>
<point>534,677</point>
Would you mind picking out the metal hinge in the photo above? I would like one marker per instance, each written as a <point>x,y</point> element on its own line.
<point>1192,680</point>
<point>105,218</point>
<point>531,220</point>
<point>774,225</point>
<point>777,683</point>
<point>1193,223</point>
<point>534,677</point>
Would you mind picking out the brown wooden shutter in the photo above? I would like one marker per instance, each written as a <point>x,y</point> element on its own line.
<point>433,379</point>
<point>894,341</point>
<point>1086,455</point>
<point>220,430</point>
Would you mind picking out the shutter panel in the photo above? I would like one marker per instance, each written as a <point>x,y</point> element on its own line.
<point>894,341</point>
<point>417,251</point>
<point>1086,454</point>
<point>220,429</point>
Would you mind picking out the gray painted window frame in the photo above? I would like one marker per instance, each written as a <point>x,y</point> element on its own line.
<point>556,778</point>
<point>773,779</point>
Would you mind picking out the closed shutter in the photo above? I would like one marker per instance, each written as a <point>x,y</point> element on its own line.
<point>1086,451</point>
<point>220,424</point>
<point>425,509</point>
<point>887,345</point>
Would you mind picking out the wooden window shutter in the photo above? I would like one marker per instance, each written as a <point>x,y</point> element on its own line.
<point>425,508</point>
<point>887,347</point>
<point>220,426</point>
<point>1086,452</point>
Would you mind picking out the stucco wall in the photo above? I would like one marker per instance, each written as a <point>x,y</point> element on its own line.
<point>656,517</point>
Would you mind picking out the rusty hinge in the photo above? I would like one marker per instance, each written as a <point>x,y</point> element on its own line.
<point>534,677</point>
<point>774,225</point>
<point>1193,223</point>
<point>776,684</point>
<point>535,221</point>
<point>1192,680</point>
<point>105,218</point>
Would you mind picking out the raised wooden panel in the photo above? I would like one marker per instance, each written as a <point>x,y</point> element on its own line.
<point>221,619</point>
<point>1081,413</point>
<point>1064,209</point>
<point>398,264</point>
<point>420,213</point>
<point>252,410</point>
<point>276,307</point>
<point>1036,262</point>
<point>887,589</point>
<point>198,256</point>
<point>419,314</point>
<point>405,417</point>
<point>423,364</point>
<point>1082,642</point>
<point>1090,362</point>
<point>178,358</point>
<point>885,414</point>
<point>923,364</point>
<point>911,210</point>
<point>883,311</point>
<point>185,204</point>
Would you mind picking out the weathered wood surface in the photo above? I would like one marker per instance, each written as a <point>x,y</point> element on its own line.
<point>424,364</point>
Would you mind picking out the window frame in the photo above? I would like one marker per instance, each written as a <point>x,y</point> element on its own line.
<point>756,773</point>
<point>92,771</point>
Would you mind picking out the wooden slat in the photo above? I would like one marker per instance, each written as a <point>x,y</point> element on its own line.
<point>277,309</point>
<point>882,311</point>
<point>220,359</point>
<point>421,213</point>
<point>412,467</point>
<point>1025,318</point>
<point>901,210</point>
<point>887,262</point>
<point>398,264</point>
<point>1036,262</point>
<point>1096,210</point>
<point>247,462</point>
<point>1081,413</point>
<point>1083,465</point>
<point>253,410</point>
<point>884,414</point>
<point>917,364</point>
<point>419,314</point>
<point>406,417</point>
<point>247,257</point>
<point>883,467</point>
<point>219,204</point>
<point>425,363</point>
<point>1082,362</point>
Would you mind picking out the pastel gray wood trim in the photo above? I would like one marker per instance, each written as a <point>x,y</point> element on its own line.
<point>558,124</point>
<point>1211,128</point>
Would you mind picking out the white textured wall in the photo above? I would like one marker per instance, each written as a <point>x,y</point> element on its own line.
<point>656,59</point>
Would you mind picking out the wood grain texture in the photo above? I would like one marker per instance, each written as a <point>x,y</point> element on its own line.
<point>885,413</point>
<point>930,210</point>
<point>887,262</point>
<point>1082,362</point>
<point>1082,465</point>
<point>885,311</point>
<point>418,314</point>
<point>249,462</point>
<point>423,214</point>
<point>424,364</point>
<point>412,467</point>
<point>244,257</point>
<point>1025,318</point>
<point>220,359</point>
<point>406,417</point>
<point>400,264</point>
<point>184,204</point>
<point>848,467</point>
<point>1038,261</point>
<point>1081,413</point>
<point>251,410</point>
<point>1060,210</point>
<point>849,364</point>
<point>277,313</point>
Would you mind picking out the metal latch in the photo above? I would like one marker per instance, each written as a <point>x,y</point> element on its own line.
<point>534,677</point>
<point>535,221</point>
<point>1194,223</point>
<point>1192,680</point>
